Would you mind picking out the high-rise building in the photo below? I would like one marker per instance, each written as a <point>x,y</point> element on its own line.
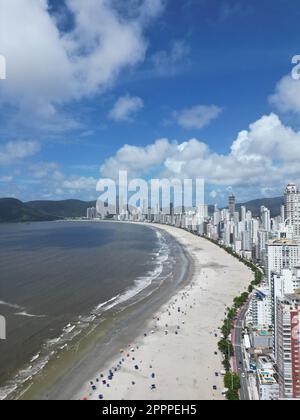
<point>292,208</point>
<point>281,254</point>
<point>285,283</point>
<point>243,213</point>
<point>265,218</point>
<point>261,309</point>
<point>232,205</point>
<point>288,346</point>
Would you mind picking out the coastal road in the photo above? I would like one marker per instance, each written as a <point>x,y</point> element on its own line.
<point>239,362</point>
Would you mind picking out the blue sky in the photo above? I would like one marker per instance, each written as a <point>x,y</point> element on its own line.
<point>94,86</point>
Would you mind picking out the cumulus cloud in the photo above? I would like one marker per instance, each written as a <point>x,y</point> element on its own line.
<point>137,160</point>
<point>125,108</point>
<point>197,117</point>
<point>46,71</point>
<point>14,151</point>
<point>265,156</point>
<point>287,95</point>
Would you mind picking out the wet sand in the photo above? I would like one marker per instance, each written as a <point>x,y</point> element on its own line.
<point>175,356</point>
<point>64,376</point>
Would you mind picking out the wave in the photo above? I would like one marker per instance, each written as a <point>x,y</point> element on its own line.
<point>29,315</point>
<point>143,282</point>
<point>21,309</point>
<point>52,347</point>
<point>11,305</point>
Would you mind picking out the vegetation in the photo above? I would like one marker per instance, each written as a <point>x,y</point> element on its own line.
<point>231,380</point>
<point>232,383</point>
<point>12,210</point>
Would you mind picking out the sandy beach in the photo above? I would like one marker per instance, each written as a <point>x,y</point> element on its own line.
<point>176,356</point>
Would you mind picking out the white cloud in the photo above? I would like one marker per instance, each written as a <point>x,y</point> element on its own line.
<point>287,95</point>
<point>137,160</point>
<point>80,183</point>
<point>14,151</point>
<point>264,156</point>
<point>167,62</point>
<point>197,117</point>
<point>43,170</point>
<point>48,70</point>
<point>125,107</point>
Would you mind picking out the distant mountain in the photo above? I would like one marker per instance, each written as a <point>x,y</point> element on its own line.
<point>12,210</point>
<point>273,204</point>
<point>62,209</point>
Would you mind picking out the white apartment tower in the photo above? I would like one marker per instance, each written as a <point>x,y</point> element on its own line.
<point>282,254</point>
<point>292,208</point>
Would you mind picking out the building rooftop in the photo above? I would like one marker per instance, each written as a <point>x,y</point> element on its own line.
<point>266,377</point>
<point>282,241</point>
<point>293,297</point>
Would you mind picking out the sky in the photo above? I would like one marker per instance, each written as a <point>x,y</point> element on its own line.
<point>160,88</point>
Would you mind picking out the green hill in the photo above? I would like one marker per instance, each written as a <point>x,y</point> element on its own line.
<point>62,209</point>
<point>12,210</point>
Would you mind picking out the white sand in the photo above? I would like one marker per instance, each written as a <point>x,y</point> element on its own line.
<point>184,364</point>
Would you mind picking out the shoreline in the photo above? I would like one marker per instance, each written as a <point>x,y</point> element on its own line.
<point>177,357</point>
<point>184,360</point>
<point>65,374</point>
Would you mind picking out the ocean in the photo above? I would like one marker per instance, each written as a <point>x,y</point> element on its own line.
<point>58,281</point>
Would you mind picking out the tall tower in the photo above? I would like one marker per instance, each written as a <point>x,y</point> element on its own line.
<point>232,204</point>
<point>292,208</point>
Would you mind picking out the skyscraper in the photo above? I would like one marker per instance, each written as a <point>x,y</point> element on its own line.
<point>232,204</point>
<point>287,346</point>
<point>292,208</point>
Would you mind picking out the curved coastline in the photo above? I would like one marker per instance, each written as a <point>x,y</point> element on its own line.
<point>178,353</point>
<point>63,377</point>
<point>185,362</point>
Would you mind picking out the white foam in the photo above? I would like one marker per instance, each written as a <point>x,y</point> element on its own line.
<point>29,315</point>
<point>53,346</point>
<point>10,305</point>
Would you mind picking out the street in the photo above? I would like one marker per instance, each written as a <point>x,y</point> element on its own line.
<point>239,362</point>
